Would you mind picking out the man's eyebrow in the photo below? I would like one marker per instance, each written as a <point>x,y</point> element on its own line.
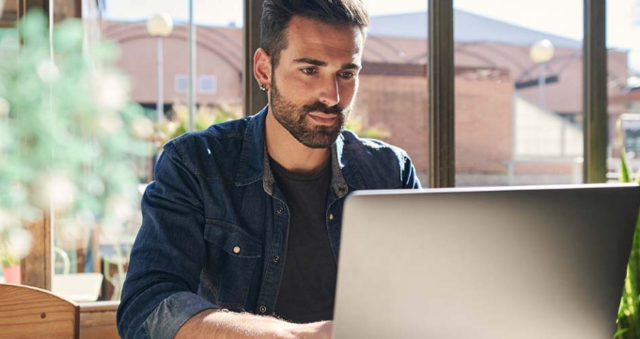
<point>321,63</point>
<point>314,62</point>
<point>351,66</point>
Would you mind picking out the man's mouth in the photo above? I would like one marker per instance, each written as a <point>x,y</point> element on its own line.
<point>323,118</point>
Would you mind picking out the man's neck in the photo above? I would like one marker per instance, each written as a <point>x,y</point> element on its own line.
<point>289,152</point>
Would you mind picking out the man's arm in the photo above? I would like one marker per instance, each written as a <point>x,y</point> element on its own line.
<point>160,291</point>
<point>214,324</point>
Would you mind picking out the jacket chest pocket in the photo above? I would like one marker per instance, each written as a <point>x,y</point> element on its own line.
<point>232,260</point>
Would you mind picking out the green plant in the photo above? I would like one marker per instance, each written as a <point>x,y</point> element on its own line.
<point>209,115</point>
<point>204,117</point>
<point>356,125</point>
<point>628,325</point>
<point>67,133</point>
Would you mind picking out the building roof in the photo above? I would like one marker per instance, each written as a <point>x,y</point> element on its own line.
<point>468,27</point>
<point>489,56</point>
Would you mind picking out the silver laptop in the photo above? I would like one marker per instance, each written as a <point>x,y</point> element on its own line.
<point>492,263</point>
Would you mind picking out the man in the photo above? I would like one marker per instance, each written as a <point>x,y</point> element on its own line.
<point>241,228</point>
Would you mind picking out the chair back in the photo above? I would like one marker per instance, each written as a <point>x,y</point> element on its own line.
<point>28,312</point>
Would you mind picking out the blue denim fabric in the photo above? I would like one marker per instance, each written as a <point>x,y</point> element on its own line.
<point>215,224</point>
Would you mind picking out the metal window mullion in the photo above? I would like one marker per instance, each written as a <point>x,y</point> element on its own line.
<point>254,99</point>
<point>441,127</point>
<point>192,68</point>
<point>595,92</point>
<point>36,268</point>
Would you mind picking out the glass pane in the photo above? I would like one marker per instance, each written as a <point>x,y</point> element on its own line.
<point>623,27</point>
<point>9,41</point>
<point>14,239</point>
<point>43,132</point>
<point>518,92</point>
<point>8,13</point>
<point>93,255</point>
<point>392,98</point>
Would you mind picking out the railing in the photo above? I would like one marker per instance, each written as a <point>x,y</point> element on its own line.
<point>576,162</point>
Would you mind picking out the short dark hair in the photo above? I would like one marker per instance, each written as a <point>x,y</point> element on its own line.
<point>276,15</point>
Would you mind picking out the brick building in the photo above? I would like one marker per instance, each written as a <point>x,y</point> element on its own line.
<point>504,134</point>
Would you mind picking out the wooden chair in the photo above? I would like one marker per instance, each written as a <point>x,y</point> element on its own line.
<point>28,312</point>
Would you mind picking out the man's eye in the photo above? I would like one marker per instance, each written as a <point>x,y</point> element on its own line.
<point>309,71</point>
<point>347,75</point>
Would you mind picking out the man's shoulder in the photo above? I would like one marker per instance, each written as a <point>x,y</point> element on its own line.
<point>213,152</point>
<point>377,148</point>
<point>375,164</point>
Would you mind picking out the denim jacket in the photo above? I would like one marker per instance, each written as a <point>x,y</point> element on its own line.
<point>215,224</point>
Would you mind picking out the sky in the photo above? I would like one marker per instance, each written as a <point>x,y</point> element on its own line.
<point>559,17</point>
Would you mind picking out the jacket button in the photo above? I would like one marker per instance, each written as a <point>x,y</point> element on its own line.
<point>279,210</point>
<point>263,309</point>
<point>276,259</point>
<point>236,249</point>
<point>331,216</point>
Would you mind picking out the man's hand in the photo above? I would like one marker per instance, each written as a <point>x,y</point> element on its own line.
<point>228,325</point>
<point>318,330</point>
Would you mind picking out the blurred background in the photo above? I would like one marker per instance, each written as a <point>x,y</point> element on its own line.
<point>123,79</point>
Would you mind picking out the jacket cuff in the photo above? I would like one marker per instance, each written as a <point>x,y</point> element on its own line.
<point>165,321</point>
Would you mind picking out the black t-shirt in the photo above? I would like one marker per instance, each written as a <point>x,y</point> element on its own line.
<point>308,285</point>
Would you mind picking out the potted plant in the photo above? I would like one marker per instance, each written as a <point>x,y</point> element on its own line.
<point>10,266</point>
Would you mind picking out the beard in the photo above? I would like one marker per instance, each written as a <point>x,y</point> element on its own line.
<point>294,119</point>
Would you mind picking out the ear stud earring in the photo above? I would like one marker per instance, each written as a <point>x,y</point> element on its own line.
<point>263,88</point>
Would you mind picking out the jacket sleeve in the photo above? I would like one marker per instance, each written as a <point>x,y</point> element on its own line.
<point>159,293</point>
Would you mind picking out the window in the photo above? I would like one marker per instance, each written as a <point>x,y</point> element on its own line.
<point>207,84</point>
<point>181,83</point>
<point>9,13</point>
<point>90,252</point>
<point>394,75</point>
<point>392,99</point>
<point>623,27</point>
<point>9,41</point>
<point>518,92</point>
<point>158,69</point>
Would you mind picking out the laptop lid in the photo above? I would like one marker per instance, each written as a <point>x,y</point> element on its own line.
<point>489,263</point>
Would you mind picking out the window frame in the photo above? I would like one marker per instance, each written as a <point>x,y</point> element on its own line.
<point>441,89</point>
<point>254,99</point>
<point>595,94</point>
<point>441,105</point>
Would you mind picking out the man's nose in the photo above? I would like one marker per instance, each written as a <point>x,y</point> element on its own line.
<point>330,92</point>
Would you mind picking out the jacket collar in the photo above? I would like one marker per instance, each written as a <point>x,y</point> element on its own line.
<point>254,160</point>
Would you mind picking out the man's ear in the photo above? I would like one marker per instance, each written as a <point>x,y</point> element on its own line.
<point>262,68</point>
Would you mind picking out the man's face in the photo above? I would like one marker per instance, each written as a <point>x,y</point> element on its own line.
<point>314,84</point>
